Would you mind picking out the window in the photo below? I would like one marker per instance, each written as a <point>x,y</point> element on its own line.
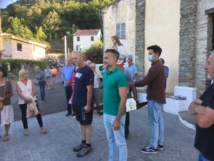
<point>19,47</point>
<point>121,30</point>
<point>92,38</point>
<point>78,47</point>
<point>78,38</point>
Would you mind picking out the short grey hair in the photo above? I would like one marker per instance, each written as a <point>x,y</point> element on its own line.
<point>36,67</point>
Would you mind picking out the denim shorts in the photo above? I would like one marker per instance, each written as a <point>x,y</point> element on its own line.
<point>53,76</point>
<point>47,77</point>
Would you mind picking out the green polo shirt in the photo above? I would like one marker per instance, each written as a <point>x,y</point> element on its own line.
<point>112,81</point>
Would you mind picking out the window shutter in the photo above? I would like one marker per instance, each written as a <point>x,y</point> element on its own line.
<point>118,29</point>
<point>123,30</point>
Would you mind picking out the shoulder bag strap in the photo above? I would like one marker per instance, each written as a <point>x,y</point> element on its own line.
<point>4,88</point>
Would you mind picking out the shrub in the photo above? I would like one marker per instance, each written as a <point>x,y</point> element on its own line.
<point>95,52</point>
<point>17,63</point>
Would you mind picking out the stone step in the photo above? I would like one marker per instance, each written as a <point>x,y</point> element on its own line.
<point>187,119</point>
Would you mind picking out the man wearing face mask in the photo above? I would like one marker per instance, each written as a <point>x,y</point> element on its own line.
<point>156,98</point>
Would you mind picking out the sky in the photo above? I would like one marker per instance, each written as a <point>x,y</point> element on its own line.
<point>5,3</point>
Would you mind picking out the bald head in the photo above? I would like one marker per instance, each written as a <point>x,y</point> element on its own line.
<point>209,67</point>
<point>78,59</point>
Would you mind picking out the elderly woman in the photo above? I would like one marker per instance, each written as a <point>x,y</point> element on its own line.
<point>7,116</point>
<point>26,91</point>
<point>96,91</point>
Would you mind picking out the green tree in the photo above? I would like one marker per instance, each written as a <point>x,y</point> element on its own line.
<point>51,25</point>
<point>18,29</point>
<point>40,35</point>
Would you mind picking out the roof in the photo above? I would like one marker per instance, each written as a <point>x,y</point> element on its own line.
<point>11,36</point>
<point>86,32</point>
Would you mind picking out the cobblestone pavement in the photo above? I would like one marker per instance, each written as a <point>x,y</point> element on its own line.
<point>63,133</point>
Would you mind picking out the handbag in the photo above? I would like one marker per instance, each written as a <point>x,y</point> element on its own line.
<point>1,102</point>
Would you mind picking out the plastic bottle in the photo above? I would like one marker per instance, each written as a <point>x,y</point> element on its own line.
<point>83,113</point>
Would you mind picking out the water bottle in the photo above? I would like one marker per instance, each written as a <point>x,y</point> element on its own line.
<point>83,113</point>
<point>69,102</point>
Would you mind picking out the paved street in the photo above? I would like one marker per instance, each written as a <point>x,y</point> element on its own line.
<point>63,133</point>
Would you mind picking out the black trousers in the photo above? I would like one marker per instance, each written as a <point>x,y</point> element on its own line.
<point>127,122</point>
<point>68,93</point>
<point>23,108</point>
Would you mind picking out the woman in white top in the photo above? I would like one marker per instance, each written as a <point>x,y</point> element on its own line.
<point>6,92</point>
<point>26,89</point>
<point>117,45</point>
<point>96,91</point>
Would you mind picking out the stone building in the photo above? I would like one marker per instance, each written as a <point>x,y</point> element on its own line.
<point>182,28</point>
<point>21,48</point>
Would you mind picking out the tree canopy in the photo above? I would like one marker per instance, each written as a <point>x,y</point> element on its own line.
<point>47,21</point>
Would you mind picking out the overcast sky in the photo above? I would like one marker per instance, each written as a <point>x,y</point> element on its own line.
<point>5,3</point>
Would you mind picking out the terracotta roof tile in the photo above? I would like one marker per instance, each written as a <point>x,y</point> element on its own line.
<point>86,32</point>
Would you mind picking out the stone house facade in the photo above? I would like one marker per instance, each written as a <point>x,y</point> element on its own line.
<point>118,19</point>
<point>21,48</point>
<point>184,30</point>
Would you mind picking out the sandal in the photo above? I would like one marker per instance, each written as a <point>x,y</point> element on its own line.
<point>43,130</point>
<point>26,133</point>
<point>6,138</point>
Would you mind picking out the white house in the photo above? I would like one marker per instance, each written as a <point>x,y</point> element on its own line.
<point>21,48</point>
<point>83,39</point>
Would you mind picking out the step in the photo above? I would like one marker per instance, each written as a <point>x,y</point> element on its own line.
<point>187,119</point>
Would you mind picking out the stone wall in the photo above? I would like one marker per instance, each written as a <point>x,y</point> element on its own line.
<point>121,11</point>
<point>196,29</point>
<point>203,42</point>
<point>187,52</point>
<point>140,37</point>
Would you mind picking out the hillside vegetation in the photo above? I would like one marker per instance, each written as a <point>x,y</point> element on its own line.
<point>47,21</point>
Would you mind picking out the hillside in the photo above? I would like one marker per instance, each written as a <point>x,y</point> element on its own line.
<point>47,21</point>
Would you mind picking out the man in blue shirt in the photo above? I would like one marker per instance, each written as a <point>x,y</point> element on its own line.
<point>67,72</point>
<point>132,69</point>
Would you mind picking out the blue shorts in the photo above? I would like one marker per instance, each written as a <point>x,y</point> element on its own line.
<point>47,77</point>
<point>53,76</point>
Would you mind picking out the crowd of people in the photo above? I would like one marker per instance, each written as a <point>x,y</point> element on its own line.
<point>82,86</point>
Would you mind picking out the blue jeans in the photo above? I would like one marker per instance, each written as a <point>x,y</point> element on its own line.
<point>155,123</point>
<point>201,157</point>
<point>42,90</point>
<point>115,138</point>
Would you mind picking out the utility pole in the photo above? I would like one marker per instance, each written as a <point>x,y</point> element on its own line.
<point>65,44</point>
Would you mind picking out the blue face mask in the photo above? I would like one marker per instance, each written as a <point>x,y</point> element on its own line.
<point>150,58</point>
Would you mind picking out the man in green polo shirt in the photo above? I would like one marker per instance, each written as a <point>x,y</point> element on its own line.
<point>114,102</point>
